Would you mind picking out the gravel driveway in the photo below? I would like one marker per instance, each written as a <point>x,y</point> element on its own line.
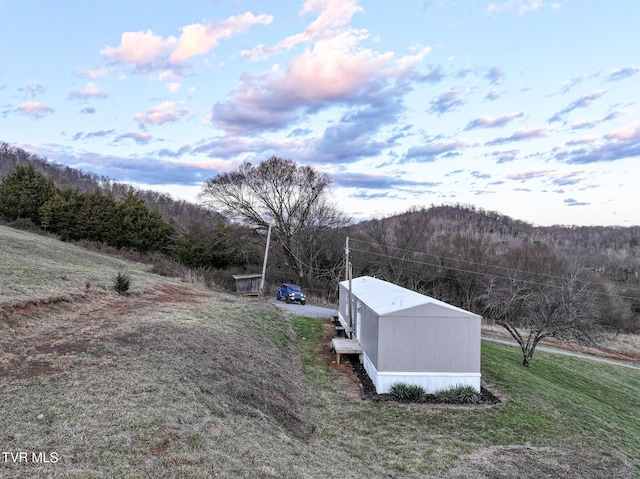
<point>308,310</point>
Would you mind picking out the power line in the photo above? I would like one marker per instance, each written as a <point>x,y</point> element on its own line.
<point>479,273</point>
<point>320,271</point>
<point>439,256</point>
<point>474,263</point>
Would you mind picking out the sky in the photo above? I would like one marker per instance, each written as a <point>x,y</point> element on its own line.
<point>524,107</point>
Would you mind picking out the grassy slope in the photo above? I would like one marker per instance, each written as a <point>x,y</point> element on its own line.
<point>40,268</point>
<point>177,382</point>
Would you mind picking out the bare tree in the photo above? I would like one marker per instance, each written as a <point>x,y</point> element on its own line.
<point>292,198</point>
<point>534,295</point>
<point>462,265</point>
<point>393,248</point>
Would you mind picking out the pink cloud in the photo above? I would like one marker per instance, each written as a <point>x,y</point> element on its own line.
<point>166,112</point>
<point>582,124</point>
<point>336,69</point>
<point>504,156</point>
<point>149,51</point>
<point>585,140</point>
<point>170,78</point>
<point>92,74</point>
<point>331,14</point>
<point>141,49</point>
<point>491,122</point>
<point>524,133</point>
<point>198,39</point>
<point>33,88</point>
<point>571,174</point>
<point>629,132</point>
<point>140,137</point>
<point>430,151</point>
<point>35,109</point>
<point>89,91</point>
<point>521,135</point>
<point>527,175</point>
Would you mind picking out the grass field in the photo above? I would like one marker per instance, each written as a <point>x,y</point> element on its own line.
<point>38,268</point>
<point>178,382</point>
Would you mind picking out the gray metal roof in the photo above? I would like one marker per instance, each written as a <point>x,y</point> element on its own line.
<point>385,298</point>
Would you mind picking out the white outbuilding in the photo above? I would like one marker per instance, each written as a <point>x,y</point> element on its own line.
<point>407,337</point>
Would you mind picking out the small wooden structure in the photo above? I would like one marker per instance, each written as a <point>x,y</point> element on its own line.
<point>248,284</point>
<point>346,346</point>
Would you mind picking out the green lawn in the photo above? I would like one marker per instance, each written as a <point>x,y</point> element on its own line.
<point>562,414</point>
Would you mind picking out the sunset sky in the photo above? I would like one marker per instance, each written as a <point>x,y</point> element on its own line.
<point>526,107</point>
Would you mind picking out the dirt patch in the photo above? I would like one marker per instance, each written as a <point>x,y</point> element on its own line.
<point>46,337</point>
<point>346,381</point>
<point>11,313</point>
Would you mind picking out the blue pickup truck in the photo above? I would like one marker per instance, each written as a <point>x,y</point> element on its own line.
<point>291,292</point>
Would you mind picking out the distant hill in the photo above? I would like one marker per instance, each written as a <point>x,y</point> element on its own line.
<point>470,220</point>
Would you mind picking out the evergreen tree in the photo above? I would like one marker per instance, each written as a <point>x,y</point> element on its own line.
<point>94,216</point>
<point>217,245</point>
<point>23,192</point>
<point>57,214</point>
<point>77,216</point>
<point>134,226</point>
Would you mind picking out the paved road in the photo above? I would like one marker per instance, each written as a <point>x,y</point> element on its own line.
<point>566,353</point>
<point>308,310</point>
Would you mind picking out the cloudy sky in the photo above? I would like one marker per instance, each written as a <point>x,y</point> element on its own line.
<point>526,107</point>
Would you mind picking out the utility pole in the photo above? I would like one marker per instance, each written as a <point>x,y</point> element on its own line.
<point>350,303</point>
<point>346,260</point>
<point>348,273</point>
<point>266,254</point>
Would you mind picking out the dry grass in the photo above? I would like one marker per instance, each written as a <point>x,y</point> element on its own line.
<point>167,384</point>
<point>37,268</point>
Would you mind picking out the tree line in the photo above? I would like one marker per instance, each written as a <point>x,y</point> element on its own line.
<point>125,223</point>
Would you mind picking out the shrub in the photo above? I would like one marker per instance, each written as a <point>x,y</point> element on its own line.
<point>121,282</point>
<point>459,395</point>
<point>407,392</point>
